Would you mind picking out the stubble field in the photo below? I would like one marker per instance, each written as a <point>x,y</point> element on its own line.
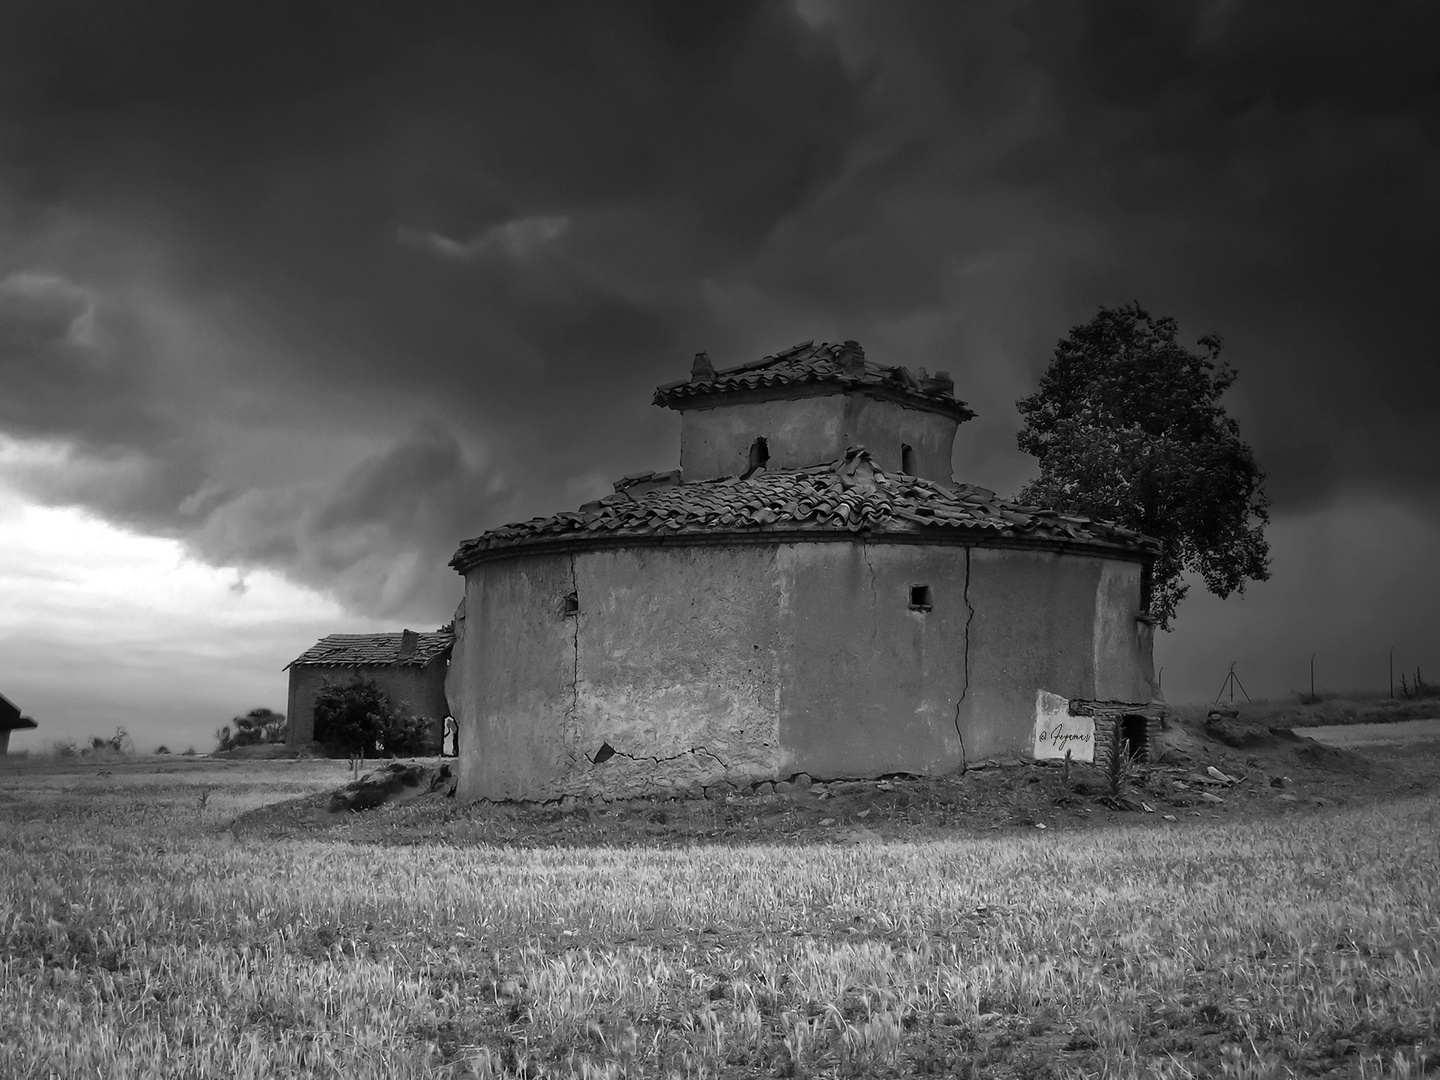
<point>139,937</point>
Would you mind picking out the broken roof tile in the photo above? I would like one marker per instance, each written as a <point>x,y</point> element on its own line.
<point>364,650</point>
<point>812,364</point>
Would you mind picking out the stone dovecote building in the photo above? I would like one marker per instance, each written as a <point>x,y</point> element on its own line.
<point>409,666</point>
<point>809,592</point>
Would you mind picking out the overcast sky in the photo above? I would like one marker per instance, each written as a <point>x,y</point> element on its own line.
<point>296,296</point>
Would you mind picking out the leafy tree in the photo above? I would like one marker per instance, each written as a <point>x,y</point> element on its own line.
<point>1128,427</point>
<point>255,727</point>
<point>357,717</point>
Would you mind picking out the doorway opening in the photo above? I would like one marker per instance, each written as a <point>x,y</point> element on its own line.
<point>1134,732</point>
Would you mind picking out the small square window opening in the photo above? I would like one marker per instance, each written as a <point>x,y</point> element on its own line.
<point>570,605</point>
<point>920,598</point>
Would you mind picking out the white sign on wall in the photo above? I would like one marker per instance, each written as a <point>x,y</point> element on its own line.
<point>1056,731</point>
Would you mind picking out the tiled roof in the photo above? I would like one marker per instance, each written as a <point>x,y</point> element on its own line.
<point>362,650</point>
<point>815,365</point>
<point>848,496</point>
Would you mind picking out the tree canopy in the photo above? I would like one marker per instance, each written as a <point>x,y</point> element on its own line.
<point>1127,426</point>
<point>357,717</point>
<point>255,727</point>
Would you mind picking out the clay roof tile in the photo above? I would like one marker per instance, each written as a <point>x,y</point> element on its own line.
<point>363,650</point>
<point>813,499</point>
<point>809,364</point>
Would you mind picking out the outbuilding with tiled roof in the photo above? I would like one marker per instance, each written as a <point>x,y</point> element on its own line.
<point>811,591</point>
<point>11,720</point>
<point>408,665</point>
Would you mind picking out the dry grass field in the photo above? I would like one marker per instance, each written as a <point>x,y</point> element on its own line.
<point>1327,709</point>
<point>140,936</point>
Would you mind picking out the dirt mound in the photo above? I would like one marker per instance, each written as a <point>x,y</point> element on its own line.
<point>1242,736</point>
<point>1193,774</point>
<point>1319,756</point>
<point>396,782</point>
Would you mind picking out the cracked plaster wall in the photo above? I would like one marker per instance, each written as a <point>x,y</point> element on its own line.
<point>679,666</point>
<point>802,431</point>
<point>701,665</point>
<point>1033,629</point>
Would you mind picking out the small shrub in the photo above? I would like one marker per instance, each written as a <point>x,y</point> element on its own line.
<point>162,749</point>
<point>255,727</point>
<point>357,718</point>
<point>1117,766</point>
<point>1419,688</point>
<point>119,743</point>
<point>410,734</point>
<point>189,752</point>
<point>1120,773</point>
<point>65,748</point>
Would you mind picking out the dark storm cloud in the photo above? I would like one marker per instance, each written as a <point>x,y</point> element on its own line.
<point>1267,171</point>
<point>377,537</point>
<point>330,287</point>
<point>481,221</point>
<point>69,369</point>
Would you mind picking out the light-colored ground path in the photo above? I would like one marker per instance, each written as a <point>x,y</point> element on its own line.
<point>1349,736</point>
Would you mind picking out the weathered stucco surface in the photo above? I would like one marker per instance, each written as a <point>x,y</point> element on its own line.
<point>678,663</point>
<point>1123,642</point>
<point>1034,617</point>
<point>421,689</point>
<point>871,686</point>
<point>798,432</point>
<point>512,678</point>
<point>692,665</point>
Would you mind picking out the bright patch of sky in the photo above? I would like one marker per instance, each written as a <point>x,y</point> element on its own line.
<point>103,628</point>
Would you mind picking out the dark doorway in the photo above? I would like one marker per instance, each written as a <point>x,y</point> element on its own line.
<point>1134,732</point>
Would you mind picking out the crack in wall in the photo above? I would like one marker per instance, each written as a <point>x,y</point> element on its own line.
<point>965,689</point>
<point>673,757</point>
<point>574,710</point>
<point>874,623</point>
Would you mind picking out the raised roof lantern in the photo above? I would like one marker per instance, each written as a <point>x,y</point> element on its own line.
<point>806,406</point>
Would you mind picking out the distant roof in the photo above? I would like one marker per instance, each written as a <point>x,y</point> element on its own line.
<point>849,496</point>
<point>10,718</point>
<point>406,647</point>
<point>818,367</point>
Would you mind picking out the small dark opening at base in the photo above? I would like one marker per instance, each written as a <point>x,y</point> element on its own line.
<point>571,604</point>
<point>759,454</point>
<point>920,598</point>
<point>605,753</point>
<point>1134,733</point>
